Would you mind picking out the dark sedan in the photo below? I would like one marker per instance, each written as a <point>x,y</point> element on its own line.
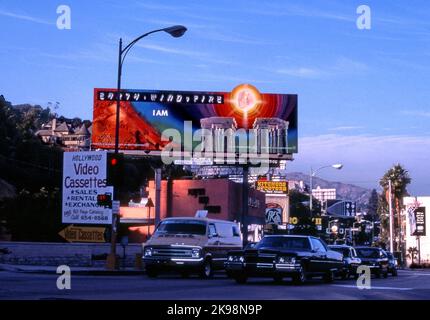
<point>392,263</point>
<point>375,258</point>
<point>279,256</point>
<point>350,260</point>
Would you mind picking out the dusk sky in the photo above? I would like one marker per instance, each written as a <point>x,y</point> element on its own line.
<point>364,97</point>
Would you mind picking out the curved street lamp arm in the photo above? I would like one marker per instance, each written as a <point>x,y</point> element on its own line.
<point>314,172</point>
<point>127,48</point>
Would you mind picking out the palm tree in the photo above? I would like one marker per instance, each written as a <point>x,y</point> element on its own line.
<point>400,179</point>
<point>412,253</point>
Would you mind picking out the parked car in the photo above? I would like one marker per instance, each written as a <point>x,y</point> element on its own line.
<point>188,245</point>
<point>279,256</point>
<point>375,258</point>
<point>350,260</point>
<point>392,264</point>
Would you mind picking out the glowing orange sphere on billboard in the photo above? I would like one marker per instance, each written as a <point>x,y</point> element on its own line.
<point>245,98</point>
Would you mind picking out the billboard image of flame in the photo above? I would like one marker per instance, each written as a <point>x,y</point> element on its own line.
<point>145,114</point>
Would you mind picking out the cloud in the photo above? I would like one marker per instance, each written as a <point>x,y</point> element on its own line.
<point>366,157</point>
<point>346,128</point>
<point>340,66</point>
<point>300,72</point>
<point>163,49</point>
<point>417,113</point>
<point>25,17</point>
<point>202,56</point>
<point>276,10</point>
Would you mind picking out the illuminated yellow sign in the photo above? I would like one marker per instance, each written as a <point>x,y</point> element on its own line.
<point>272,187</point>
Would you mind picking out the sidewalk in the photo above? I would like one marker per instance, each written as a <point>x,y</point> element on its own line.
<point>74,270</point>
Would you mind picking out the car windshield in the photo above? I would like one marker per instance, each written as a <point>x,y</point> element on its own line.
<point>295,243</point>
<point>368,253</point>
<point>343,251</point>
<point>182,227</point>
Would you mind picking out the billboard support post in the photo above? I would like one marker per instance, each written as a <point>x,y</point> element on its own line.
<point>245,196</point>
<point>157,196</point>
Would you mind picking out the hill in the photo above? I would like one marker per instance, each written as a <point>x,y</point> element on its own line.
<point>344,191</point>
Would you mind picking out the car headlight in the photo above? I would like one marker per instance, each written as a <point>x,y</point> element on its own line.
<point>195,253</point>
<point>241,259</point>
<point>148,252</point>
<point>230,258</point>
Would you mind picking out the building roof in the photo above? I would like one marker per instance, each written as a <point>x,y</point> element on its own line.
<point>63,127</point>
<point>83,131</point>
<point>44,132</point>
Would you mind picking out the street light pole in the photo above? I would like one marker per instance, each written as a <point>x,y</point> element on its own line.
<point>337,166</point>
<point>176,32</point>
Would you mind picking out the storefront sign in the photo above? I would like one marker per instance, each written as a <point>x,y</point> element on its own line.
<point>84,177</point>
<point>272,187</point>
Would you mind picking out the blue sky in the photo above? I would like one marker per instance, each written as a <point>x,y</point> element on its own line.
<point>363,94</point>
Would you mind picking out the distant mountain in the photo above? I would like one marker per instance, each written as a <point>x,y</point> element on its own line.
<point>344,191</point>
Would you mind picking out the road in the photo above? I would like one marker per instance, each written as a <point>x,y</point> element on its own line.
<point>13,285</point>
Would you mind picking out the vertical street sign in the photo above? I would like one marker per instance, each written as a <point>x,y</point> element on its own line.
<point>84,177</point>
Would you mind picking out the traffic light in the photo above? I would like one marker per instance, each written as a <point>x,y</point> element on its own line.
<point>104,200</point>
<point>115,169</point>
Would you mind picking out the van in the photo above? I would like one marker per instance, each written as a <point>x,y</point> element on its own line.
<point>190,245</point>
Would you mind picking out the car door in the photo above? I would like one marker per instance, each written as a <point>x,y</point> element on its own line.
<point>319,256</point>
<point>213,246</point>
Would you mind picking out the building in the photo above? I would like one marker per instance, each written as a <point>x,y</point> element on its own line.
<point>222,198</point>
<point>65,136</point>
<point>324,194</point>
<point>416,211</point>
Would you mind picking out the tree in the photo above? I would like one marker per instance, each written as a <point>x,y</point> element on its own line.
<point>400,179</point>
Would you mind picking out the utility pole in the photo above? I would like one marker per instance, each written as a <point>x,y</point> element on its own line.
<point>157,196</point>
<point>390,212</point>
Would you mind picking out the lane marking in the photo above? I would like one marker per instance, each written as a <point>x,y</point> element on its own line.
<point>372,287</point>
<point>416,273</point>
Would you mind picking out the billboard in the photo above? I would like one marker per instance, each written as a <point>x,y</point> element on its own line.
<point>188,121</point>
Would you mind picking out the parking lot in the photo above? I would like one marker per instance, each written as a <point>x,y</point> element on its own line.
<point>14,285</point>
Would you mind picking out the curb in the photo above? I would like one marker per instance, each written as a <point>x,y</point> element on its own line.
<point>74,272</point>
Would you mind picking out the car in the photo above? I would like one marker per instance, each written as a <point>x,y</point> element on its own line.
<point>350,260</point>
<point>190,245</point>
<point>392,264</point>
<point>278,256</point>
<point>375,258</point>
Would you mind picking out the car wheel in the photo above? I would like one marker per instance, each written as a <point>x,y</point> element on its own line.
<point>241,279</point>
<point>345,275</point>
<point>151,272</point>
<point>300,277</point>
<point>394,273</point>
<point>185,274</point>
<point>329,277</point>
<point>207,271</point>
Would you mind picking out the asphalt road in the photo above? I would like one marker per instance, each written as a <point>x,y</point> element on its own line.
<point>14,285</point>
